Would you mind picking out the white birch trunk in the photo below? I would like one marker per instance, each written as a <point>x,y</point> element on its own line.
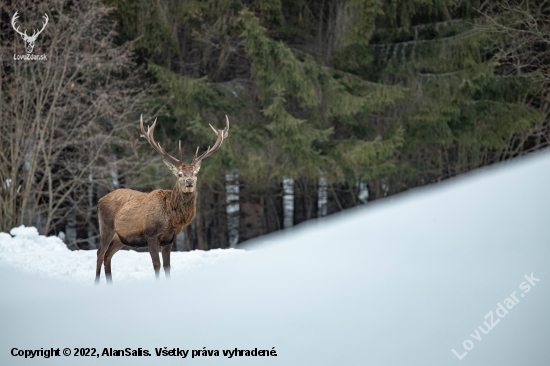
<point>288,202</point>
<point>363,191</point>
<point>385,186</point>
<point>233,206</point>
<point>322,199</point>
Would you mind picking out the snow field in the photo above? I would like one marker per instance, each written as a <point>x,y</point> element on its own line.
<point>49,256</point>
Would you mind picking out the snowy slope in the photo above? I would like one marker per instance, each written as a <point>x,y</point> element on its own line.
<point>399,282</point>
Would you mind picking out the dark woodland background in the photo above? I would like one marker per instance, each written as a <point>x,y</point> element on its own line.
<point>332,103</point>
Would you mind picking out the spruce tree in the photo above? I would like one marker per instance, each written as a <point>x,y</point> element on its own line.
<point>386,95</point>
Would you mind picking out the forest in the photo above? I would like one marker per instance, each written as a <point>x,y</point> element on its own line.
<point>332,104</point>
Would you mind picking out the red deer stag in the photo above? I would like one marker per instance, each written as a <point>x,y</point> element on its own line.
<point>137,219</point>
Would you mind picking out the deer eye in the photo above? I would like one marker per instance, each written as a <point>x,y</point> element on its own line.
<point>180,174</point>
<point>196,173</point>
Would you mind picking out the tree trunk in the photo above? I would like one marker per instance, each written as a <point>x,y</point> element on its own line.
<point>233,207</point>
<point>91,231</point>
<point>305,200</point>
<point>288,202</point>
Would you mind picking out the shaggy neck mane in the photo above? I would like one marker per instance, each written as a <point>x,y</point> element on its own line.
<point>180,201</point>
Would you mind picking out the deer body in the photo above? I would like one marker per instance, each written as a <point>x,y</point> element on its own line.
<point>137,216</point>
<point>153,220</point>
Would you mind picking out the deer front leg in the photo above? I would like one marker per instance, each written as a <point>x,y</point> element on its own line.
<point>166,258</point>
<point>153,245</point>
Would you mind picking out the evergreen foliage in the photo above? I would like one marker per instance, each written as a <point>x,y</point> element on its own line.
<point>390,93</point>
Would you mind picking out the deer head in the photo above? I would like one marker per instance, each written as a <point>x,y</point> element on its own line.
<point>29,40</point>
<point>186,175</point>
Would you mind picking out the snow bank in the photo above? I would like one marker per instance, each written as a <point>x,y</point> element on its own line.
<point>50,257</point>
<point>402,281</point>
<point>26,239</point>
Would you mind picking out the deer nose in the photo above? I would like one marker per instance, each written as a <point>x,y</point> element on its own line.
<point>189,181</point>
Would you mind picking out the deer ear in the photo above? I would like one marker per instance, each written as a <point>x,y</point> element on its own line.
<point>171,166</point>
<point>198,165</point>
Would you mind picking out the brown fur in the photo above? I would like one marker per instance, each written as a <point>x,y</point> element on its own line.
<point>153,220</point>
<point>137,219</point>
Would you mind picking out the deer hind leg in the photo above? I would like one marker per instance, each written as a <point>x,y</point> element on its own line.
<point>105,241</point>
<point>165,250</point>
<point>113,248</point>
<point>153,245</point>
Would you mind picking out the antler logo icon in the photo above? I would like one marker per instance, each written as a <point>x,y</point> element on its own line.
<point>29,40</point>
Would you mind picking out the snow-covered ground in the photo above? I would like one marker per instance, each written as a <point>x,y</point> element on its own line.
<point>452,274</point>
<point>50,257</point>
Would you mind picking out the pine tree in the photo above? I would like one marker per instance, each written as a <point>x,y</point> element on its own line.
<point>386,95</point>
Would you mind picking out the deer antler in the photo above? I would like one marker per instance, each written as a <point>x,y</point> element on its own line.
<point>149,136</point>
<point>15,16</point>
<point>34,34</point>
<point>221,135</point>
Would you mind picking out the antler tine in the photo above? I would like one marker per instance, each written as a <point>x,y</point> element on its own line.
<point>221,135</point>
<point>149,137</point>
<point>181,156</point>
<point>226,129</point>
<point>15,16</point>
<point>46,18</point>
<point>35,34</point>
<point>196,152</point>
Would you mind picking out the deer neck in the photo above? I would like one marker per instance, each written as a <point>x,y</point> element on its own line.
<point>182,206</point>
